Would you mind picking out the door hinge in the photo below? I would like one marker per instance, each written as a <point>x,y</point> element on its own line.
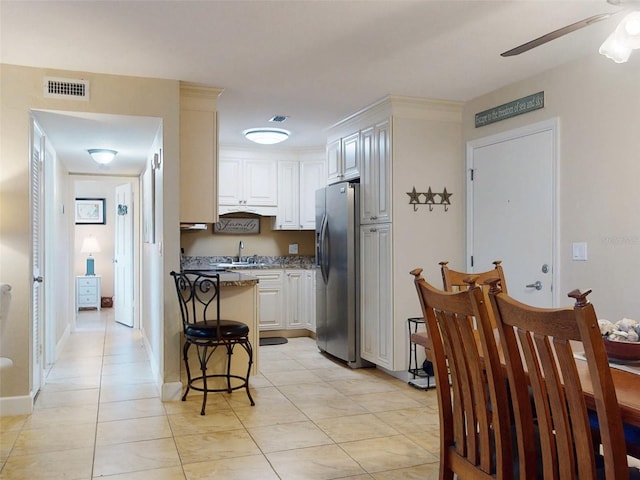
<point>471,170</point>
<point>471,260</point>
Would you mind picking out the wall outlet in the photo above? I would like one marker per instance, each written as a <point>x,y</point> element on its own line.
<point>293,248</point>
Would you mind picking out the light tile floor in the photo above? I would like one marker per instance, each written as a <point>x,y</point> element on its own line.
<point>100,416</point>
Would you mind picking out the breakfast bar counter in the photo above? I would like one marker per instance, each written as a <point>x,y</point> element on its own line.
<point>238,301</point>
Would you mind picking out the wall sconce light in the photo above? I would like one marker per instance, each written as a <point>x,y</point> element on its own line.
<point>90,245</point>
<point>102,156</point>
<point>266,136</point>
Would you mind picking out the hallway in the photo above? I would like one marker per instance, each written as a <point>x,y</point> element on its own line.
<point>100,416</point>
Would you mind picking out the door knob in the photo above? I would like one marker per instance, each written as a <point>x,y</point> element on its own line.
<point>537,285</point>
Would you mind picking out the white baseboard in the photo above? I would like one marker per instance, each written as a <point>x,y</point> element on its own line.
<point>64,338</point>
<point>10,406</point>
<point>171,391</point>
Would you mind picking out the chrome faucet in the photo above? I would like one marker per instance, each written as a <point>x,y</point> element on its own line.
<point>240,247</point>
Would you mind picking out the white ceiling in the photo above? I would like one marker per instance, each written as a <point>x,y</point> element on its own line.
<point>314,61</point>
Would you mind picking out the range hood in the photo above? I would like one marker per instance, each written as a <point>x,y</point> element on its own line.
<point>263,211</point>
<point>193,226</point>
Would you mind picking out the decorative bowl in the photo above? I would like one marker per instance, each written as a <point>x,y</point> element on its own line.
<point>621,350</point>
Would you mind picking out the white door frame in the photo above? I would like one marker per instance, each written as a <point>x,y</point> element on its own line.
<point>551,125</point>
<point>38,273</point>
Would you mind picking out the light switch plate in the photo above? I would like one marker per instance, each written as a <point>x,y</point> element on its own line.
<point>579,251</point>
<point>293,248</point>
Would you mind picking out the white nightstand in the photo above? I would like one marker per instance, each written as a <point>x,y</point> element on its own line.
<point>88,291</point>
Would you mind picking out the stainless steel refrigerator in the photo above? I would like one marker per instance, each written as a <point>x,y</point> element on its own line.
<point>337,272</point>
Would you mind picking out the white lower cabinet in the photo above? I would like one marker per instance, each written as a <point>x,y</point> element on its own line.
<point>310,302</point>
<point>287,299</point>
<point>300,296</point>
<point>295,297</point>
<point>376,321</point>
<point>271,294</point>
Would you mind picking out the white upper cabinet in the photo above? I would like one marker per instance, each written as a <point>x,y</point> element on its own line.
<point>343,159</point>
<point>312,178</point>
<point>288,217</point>
<point>198,154</point>
<point>351,156</point>
<point>298,182</point>
<point>334,161</point>
<point>248,185</point>
<point>375,180</point>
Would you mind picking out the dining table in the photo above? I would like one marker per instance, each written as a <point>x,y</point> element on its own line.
<point>626,378</point>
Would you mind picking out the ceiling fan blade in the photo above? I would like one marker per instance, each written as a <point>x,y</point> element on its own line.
<point>555,34</point>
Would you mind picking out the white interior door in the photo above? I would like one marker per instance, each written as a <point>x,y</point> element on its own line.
<point>37,264</point>
<point>123,256</point>
<point>511,209</point>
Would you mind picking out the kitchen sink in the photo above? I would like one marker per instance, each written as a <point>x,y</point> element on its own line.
<point>239,265</point>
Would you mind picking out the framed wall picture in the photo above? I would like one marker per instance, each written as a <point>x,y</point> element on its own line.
<point>90,211</point>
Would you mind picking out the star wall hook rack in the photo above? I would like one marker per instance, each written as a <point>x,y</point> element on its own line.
<point>429,199</point>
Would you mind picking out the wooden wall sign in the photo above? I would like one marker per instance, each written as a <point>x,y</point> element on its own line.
<point>511,109</point>
<point>237,226</point>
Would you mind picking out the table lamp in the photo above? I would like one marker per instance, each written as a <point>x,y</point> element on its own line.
<point>90,245</point>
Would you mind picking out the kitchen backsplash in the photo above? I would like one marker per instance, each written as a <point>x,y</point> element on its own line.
<point>283,261</point>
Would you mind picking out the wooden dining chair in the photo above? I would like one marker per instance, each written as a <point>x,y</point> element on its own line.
<point>475,438</point>
<point>536,344</point>
<point>454,281</point>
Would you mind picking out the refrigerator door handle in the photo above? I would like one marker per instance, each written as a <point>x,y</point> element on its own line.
<point>324,268</point>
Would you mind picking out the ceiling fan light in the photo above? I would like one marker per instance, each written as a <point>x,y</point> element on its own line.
<point>102,156</point>
<point>614,49</point>
<point>629,30</point>
<point>266,136</point>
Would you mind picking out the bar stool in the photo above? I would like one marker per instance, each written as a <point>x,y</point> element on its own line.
<point>199,297</point>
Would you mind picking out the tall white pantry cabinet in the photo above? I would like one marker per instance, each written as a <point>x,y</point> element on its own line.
<point>401,143</point>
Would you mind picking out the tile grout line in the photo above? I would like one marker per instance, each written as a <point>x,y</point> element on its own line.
<point>95,435</point>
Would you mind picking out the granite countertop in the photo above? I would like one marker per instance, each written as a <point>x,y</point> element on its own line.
<point>291,262</point>
<point>228,279</point>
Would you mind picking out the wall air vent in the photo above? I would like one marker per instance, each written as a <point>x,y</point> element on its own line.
<point>278,118</point>
<point>66,88</point>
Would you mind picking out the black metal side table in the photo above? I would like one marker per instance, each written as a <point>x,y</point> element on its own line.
<point>421,378</point>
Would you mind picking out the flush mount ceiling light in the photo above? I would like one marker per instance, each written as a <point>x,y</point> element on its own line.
<point>102,156</point>
<point>624,39</point>
<point>266,136</point>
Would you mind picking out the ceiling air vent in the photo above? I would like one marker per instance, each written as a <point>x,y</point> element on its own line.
<point>66,88</point>
<point>278,118</point>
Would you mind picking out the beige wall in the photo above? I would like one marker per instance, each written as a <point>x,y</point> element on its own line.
<point>598,105</point>
<point>268,243</point>
<point>22,91</point>
<point>426,154</point>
